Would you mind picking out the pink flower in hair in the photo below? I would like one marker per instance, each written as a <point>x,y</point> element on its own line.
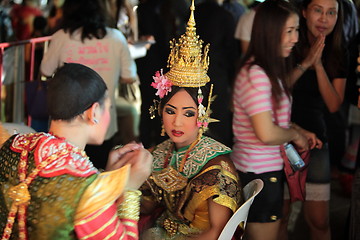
<point>202,124</point>
<point>161,83</point>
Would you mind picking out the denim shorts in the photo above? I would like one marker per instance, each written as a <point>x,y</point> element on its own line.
<point>267,205</point>
<point>319,166</point>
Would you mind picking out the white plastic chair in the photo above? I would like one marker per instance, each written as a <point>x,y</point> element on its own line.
<point>240,216</point>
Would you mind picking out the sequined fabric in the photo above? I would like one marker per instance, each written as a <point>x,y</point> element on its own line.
<point>209,173</point>
<point>205,150</point>
<point>54,200</point>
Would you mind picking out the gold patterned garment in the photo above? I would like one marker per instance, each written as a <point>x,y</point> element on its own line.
<point>4,135</point>
<point>49,189</point>
<point>54,194</point>
<point>208,173</point>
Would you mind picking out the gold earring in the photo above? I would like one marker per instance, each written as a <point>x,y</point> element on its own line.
<point>162,130</point>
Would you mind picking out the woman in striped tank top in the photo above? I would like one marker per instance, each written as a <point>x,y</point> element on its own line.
<point>261,122</point>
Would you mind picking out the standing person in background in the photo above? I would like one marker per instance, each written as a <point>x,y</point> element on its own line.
<point>262,107</point>
<point>321,73</point>
<point>6,30</point>
<point>128,98</point>
<point>86,38</point>
<point>219,32</point>
<point>338,124</point>
<point>244,27</point>
<point>126,20</point>
<point>154,20</point>
<point>236,7</point>
<point>55,17</point>
<point>48,185</point>
<point>22,17</point>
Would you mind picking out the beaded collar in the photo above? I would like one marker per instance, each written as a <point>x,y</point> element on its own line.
<point>204,150</point>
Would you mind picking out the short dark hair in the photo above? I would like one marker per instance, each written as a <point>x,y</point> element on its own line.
<point>72,90</point>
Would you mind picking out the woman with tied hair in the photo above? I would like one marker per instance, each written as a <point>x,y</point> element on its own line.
<point>48,185</point>
<point>261,123</point>
<point>194,188</point>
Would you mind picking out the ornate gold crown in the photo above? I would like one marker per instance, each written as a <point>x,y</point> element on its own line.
<point>188,66</point>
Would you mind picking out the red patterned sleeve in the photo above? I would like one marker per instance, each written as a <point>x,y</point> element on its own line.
<point>107,211</point>
<point>112,221</point>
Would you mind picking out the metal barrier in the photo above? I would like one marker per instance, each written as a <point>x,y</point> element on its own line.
<point>32,43</point>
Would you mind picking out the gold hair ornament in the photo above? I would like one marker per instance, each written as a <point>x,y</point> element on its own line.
<point>188,65</point>
<point>204,115</point>
<point>188,68</point>
<point>154,108</point>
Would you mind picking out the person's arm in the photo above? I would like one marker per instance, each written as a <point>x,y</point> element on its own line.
<point>51,59</point>
<point>96,216</point>
<point>244,44</point>
<point>218,215</point>
<point>243,30</point>
<point>118,156</point>
<point>133,22</point>
<point>106,210</point>
<point>271,134</point>
<point>140,160</point>
<point>313,141</point>
<point>127,64</point>
<point>129,212</point>
<point>315,52</point>
<point>121,156</point>
<point>112,221</point>
<point>331,92</point>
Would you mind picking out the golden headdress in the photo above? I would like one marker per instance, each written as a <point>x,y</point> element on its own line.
<point>188,66</point>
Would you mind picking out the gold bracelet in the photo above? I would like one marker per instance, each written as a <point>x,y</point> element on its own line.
<point>299,66</point>
<point>130,207</point>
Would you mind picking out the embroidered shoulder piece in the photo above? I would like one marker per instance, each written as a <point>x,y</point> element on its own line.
<point>159,153</point>
<point>205,150</point>
<point>70,159</point>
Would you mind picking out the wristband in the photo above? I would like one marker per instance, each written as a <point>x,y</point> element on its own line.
<point>130,207</point>
<point>299,66</point>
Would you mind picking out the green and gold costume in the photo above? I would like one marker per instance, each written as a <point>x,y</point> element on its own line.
<point>208,173</point>
<point>53,200</point>
<point>66,197</point>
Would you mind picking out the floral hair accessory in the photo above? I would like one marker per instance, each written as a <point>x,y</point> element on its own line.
<point>162,84</point>
<point>204,112</point>
<point>201,108</point>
